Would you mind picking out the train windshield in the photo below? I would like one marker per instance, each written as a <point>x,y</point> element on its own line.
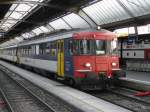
<point>89,47</point>
<point>113,47</point>
<point>83,47</point>
<point>100,47</point>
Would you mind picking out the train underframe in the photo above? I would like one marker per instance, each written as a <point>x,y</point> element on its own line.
<point>93,81</point>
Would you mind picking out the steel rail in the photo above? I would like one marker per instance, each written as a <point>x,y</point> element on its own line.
<point>6,100</point>
<point>130,97</point>
<point>31,93</point>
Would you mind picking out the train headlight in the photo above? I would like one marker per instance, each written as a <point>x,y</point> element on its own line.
<point>114,64</point>
<point>88,64</point>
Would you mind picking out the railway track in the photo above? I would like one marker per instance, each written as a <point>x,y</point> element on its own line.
<point>3,103</point>
<point>23,96</point>
<point>118,96</point>
<point>125,98</point>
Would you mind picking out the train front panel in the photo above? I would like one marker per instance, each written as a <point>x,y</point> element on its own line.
<point>95,59</point>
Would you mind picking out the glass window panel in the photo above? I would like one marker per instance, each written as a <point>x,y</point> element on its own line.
<point>5,28</point>
<point>37,31</point>
<point>7,14</point>
<point>11,21</point>
<point>83,47</point>
<point>100,47</point>
<point>49,27</point>
<point>44,29</point>
<point>23,7</point>
<point>7,25</point>
<point>15,15</point>
<point>19,38</point>
<point>32,34</point>
<point>13,7</point>
<point>76,21</point>
<point>59,24</point>
<point>137,7</point>
<point>106,11</point>
<point>24,35</point>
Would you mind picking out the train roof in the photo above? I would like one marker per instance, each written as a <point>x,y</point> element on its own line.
<point>60,34</point>
<point>9,47</point>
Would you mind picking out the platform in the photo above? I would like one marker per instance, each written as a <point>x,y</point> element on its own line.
<point>142,76</point>
<point>81,100</point>
<point>136,80</point>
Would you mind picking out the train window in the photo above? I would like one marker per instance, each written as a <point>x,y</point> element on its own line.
<point>114,48</point>
<point>70,47</point>
<point>42,48</point>
<point>53,48</point>
<point>134,53</point>
<point>127,54</point>
<point>33,52</point>
<point>24,51</point>
<point>29,50</point>
<point>83,47</point>
<point>37,50</point>
<point>100,47</point>
<point>47,48</point>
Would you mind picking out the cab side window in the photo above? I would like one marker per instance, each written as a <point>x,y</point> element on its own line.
<point>70,47</point>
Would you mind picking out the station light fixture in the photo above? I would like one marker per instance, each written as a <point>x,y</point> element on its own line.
<point>98,27</point>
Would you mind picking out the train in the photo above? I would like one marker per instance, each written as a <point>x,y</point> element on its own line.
<point>87,58</point>
<point>136,52</point>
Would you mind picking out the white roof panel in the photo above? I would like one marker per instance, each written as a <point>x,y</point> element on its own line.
<point>75,21</point>
<point>37,31</point>
<point>15,15</point>
<point>18,11</point>
<point>13,7</point>
<point>59,24</point>
<point>44,29</point>
<point>23,7</point>
<point>106,11</point>
<point>99,13</point>
<point>137,7</point>
<point>11,21</point>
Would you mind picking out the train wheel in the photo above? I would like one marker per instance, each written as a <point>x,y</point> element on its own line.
<point>71,82</point>
<point>55,77</point>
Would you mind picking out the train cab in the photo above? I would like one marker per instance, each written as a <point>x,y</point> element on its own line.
<point>95,58</point>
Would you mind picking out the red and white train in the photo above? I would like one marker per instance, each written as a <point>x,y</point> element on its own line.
<point>86,58</point>
<point>136,54</point>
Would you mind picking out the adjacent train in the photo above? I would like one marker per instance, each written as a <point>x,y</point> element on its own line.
<point>136,53</point>
<point>87,58</point>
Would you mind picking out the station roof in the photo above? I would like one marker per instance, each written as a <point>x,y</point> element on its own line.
<point>27,18</point>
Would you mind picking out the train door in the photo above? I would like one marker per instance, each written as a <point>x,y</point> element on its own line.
<point>60,58</point>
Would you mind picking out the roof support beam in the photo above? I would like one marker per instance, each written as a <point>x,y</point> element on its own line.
<point>43,4</point>
<point>20,20</point>
<point>24,2</point>
<point>50,27</point>
<point>85,16</point>
<point>67,23</point>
